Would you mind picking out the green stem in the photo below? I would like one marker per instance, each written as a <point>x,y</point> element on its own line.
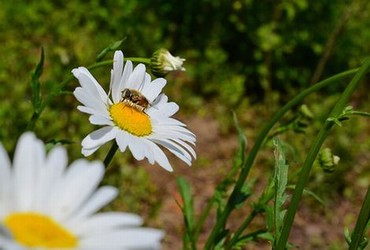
<point>307,165</point>
<point>139,59</point>
<point>361,223</point>
<point>110,154</point>
<point>99,64</point>
<point>360,113</point>
<point>202,219</point>
<point>253,235</point>
<point>241,229</point>
<point>230,205</point>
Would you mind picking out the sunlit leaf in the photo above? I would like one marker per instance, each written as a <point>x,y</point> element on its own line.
<point>112,47</point>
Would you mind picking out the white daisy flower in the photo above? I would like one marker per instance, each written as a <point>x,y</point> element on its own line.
<point>134,114</point>
<point>44,205</point>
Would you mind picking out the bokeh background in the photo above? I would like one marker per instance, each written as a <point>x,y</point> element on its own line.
<point>247,56</point>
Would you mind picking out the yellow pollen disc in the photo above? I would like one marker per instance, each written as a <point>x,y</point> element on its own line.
<point>37,230</point>
<point>131,119</point>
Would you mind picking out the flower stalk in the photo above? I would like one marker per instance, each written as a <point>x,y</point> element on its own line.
<point>139,60</point>
<point>361,223</point>
<point>108,159</point>
<point>314,150</point>
<point>230,205</point>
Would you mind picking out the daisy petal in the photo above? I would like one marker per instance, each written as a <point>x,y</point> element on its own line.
<point>137,77</point>
<point>122,140</point>
<point>8,244</point>
<point>74,191</point>
<point>176,150</point>
<point>117,93</point>
<point>89,151</point>
<point>117,70</point>
<point>99,137</point>
<point>100,120</point>
<point>152,90</point>
<point>185,145</point>
<point>28,158</point>
<point>89,83</point>
<point>136,148</point>
<point>136,238</point>
<point>99,199</point>
<point>160,157</point>
<point>164,110</point>
<point>99,223</point>
<point>54,166</point>
<point>88,100</point>
<point>87,110</point>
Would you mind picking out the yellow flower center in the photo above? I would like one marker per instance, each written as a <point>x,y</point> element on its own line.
<point>37,230</point>
<point>131,119</point>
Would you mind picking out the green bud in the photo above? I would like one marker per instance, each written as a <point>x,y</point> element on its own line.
<point>306,112</point>
<point>162,62</point>
<point>327,161</point>
<point>302,119</point>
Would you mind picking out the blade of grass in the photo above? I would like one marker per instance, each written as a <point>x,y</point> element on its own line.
<point>35,86</point>
<point>188,213</point>
<point>362,220</point>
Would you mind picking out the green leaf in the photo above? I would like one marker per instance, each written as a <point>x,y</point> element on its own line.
<point>280,184</point>
<point>347,235</point>
<point>308,192</point>
<point>112,47</point>
<point>269,218</point>
<point>244,194</point>
<point>187,210</point>
<point>35,83</point>
<point>268,236</point>
<point>259,234</point>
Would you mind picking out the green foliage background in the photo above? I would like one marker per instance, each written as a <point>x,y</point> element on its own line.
<point>246,55</point>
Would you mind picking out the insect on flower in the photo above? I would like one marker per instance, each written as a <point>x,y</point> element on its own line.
<point>135,99</point>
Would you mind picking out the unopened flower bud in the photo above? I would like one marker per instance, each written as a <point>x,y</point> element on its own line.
<point>327,160</point>
<point>306,112</point>
<point>162,62</point>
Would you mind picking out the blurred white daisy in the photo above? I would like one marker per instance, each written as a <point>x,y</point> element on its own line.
<point>44,205</point>
<point>134,113</point>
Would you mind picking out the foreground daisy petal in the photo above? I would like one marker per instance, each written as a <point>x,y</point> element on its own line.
<point>135,114</point>
<point>47,205</point>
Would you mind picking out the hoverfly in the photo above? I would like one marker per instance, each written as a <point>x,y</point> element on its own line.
<point>135,99</point>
